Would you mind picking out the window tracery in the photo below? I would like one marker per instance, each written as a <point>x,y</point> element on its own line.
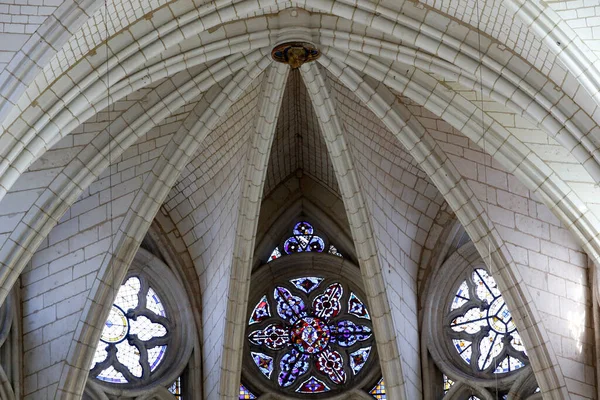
<point>472,335</point>
<point>303,239</point>
<point>315,337</point>
<point>309,330</point>
<point>246,394</point>
<point>148,336</point>
<point>482,329</point>
<point>135,335</point>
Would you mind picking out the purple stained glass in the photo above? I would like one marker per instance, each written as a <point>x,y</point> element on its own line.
<point>331,364</point>
<point>303,239</point>
<point>292,365</point>
<point>327,305</point>
<point>246,394</point>
<point>289,307</point>
<point>315,244</point>
<point>359,358</point>
<point>357,307</point>
<point>261,311</point>
<point>264,363</point>
<point>274,336</point>
<point>292,245</point>
<point>307,284</point>
<point>346,333</point>
<point>310,333</point>
<point>312,385</point>
<point>303,228</point>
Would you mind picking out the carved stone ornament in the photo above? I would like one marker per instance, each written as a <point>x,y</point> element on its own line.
<point>295,53</point>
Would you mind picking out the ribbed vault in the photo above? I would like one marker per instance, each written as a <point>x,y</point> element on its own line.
<point>410,111</point>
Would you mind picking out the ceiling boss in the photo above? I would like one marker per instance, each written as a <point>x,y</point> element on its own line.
<point>295,53</point>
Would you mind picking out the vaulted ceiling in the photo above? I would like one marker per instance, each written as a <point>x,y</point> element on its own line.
<point>413,111</point>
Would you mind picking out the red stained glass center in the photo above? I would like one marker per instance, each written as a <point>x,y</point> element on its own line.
<point>310,335</point>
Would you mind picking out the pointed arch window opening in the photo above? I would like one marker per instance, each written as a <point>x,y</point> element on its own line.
<point>303,239</point>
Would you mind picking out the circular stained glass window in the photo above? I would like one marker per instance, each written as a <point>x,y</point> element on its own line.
<point>481,328</point>
<point>309,335</point>
<point>135,336</point>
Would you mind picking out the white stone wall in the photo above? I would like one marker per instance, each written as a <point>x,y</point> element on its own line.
<point>56,284</point>
<point>403,204</point>
<point>204,208</point>
<point>550,260</point>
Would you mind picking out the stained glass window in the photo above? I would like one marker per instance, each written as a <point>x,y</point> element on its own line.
<point>246,394</point>
<point>134,338</point>
<point>379,390</point>
<point>175,388</point>
<point>447,383</point>
<point>303,239</point>
<point>482,329</point>
<point>308,336</point>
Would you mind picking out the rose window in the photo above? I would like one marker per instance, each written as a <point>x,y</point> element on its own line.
<point>481,327</point>
<point>134,338</point>
<point>309,336</point>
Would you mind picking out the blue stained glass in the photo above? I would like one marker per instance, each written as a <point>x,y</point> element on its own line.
<point>303,239</point>
<point>327,305</point>
<point>379,390</point>
<point>261,311</point>
<point>359,358</point>
<point>312,385</point>
<point>310,334</point>
<point>346,333</point>
<point>307,284</point>
<point>289,307</point>
<point>264,363</point>
<point>292,365</point>
<point>246,394</point>
<point>357,307</point>
<point>303,228</point>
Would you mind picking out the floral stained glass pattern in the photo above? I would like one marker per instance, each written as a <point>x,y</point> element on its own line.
<point>134,338</point>
<point>379,390</point>
<point>478,314</point>
<point>314,336</point>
